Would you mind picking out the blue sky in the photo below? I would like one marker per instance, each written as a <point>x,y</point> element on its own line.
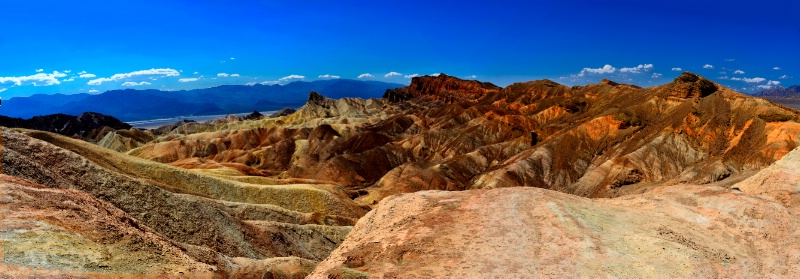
<point>93,46</point>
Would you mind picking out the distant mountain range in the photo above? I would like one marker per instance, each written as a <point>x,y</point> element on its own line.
<point>131,105</point>
<point>780,91</point>
<point>787,96</point>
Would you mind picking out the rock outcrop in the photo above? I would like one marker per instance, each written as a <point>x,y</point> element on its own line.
<point>282,112</point>
<point>124,140</point>
<point>441,87</point>
<point>681,231</point>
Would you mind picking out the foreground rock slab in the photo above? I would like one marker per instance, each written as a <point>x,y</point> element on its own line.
<point>673,232</point>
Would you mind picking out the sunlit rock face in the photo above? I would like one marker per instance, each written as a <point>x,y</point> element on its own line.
<point>683,231</point>
<point>599,140</point>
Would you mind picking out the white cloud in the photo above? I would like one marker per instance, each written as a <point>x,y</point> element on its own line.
<point>235,75</point>
<point>656,75</point>
<point>736,78</point>
<point>233,58</point>
<point>391,74</point>
<point>35,80</point>
<point>68,80</point>
<point>188,79</point>
<point>637,69</point>
<point>270,82</point>
<point>677,69</point>
<point>753,80</point>
<point>783,77</point>
<point>471,77</point>
<point>730,59</point>
<point>82,72</point>
<point>196,73</point>
<point>152,72</point>
<point>328,76</point>
<point>708,66</point>
<point>739,72</point>
<point>222,75</point>
<point>764,86</point>
<point>93,91</point>
<point>131,83</point>
<point>773,82</point>
<point>39,70</point>
<point>3,89</point>
<point>367,75</point>
<point>87,76</point>
<point>777,68</point>
<point>725,77</point>
<point>436,74</point>
<point>411,76</point>
<point>290,77</point>
<point>607,69</point>
<point>67,71</point>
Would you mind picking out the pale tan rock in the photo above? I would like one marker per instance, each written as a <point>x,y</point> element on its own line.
<point>674,232</point>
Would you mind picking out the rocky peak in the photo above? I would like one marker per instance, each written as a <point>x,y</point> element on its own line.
<point>441,87</point>
<point>608,82</point>
<point>689,85</point>
<point>315,98</point>
<point>254,115</point>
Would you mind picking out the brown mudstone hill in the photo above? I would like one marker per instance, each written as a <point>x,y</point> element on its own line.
<point>599,140</point>
<point>441,87</point>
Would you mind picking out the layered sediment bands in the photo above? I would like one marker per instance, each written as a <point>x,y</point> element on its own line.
<point>599,140</point>
<point>671,232</point>
<point>186,221</point>
<point>441,87</point>
<point>72,230</point>
<point>124,140</point>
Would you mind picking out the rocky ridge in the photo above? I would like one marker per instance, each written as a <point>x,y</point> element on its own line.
<point>599,140</point>
<point>88,126</point>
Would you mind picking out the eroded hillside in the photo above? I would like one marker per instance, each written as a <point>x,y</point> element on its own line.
<point>442,133</point>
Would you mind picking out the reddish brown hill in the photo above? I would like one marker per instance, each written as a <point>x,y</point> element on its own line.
<point>441,87</point>
<point>602,139</point>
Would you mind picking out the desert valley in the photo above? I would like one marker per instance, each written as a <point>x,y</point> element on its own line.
<point>444,177</point>
<point>399,139</point>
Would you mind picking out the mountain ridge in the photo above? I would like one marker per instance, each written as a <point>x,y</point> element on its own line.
<point>133,104</point>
